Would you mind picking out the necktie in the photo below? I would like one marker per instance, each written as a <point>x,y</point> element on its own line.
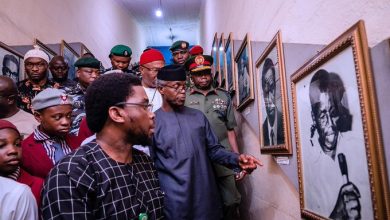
<point>58,153</point>
<point>272,137</point>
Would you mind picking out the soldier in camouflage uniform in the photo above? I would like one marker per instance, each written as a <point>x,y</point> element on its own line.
<point>216,104</point>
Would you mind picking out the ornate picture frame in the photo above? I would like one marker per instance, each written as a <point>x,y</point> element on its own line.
<point>273,111</point>
<point>70,56</point>
<point>341,164</point>
<point>221,63</point>
<point>12,63</point>
<point>229,63</point>
<point>244,74</point>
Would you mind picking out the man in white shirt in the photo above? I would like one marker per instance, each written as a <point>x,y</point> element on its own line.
<point>24,122</point>
<point>151,61</point>
<point>16,201</point>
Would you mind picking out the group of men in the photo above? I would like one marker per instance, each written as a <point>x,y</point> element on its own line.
<point>154,154</point>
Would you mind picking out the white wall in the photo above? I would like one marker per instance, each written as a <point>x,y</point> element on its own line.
<point>99,24</point>
<point>308,22</point>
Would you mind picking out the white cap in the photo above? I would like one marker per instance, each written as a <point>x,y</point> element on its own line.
<point>37,52</point>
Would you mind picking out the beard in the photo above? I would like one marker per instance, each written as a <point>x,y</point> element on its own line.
<point>139,138</point>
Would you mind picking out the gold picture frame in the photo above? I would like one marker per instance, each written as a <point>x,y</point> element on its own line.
<point>244,74</point>
<point>214,54</point>
<point>274,120</point>
<point>334,100</point>
<point>229,63</point>
<point>70,56</point>
<point>221,62</point>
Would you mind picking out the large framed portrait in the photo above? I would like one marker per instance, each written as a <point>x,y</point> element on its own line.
<point>70,57</point>
<point>214,53</point>
<point>45,49</point>
<point>229,63</point>
<point>221,66</point>
<point>274,121</point>
<point>339,149</point>
<point>244,76</point>
<point>84,50</point>
<point>12,63</point>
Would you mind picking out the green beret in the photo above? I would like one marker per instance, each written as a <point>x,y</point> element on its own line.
<point>199,63</point>
<point>121,50</point>
<point>179,45</point>
<point>87,62</point>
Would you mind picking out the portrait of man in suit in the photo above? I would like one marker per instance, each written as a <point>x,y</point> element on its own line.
<point>273,133</point>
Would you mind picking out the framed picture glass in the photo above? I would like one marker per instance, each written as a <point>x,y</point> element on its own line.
<point>221,66</point>
<point>274,121</point>
<point>70,57</point>
<point>84,50</point>
<point>12,63</point>
<point>244,76</point>
<point>229,63</point>
<point>339,149</point>
<point>214,54</point>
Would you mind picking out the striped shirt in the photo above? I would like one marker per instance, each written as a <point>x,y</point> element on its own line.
<point>48,144</point>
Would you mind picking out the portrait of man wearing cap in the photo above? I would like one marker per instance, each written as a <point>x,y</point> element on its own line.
<point>184,146</point>
<point>217,105</point>
<point>88,70</point>
<point>36,64</point>
<point>51,140</point>
<point>120,57</point>
<point>180,53</point>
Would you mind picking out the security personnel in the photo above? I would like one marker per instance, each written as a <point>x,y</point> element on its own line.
<point>216,104</point>
<point>120,56</point>
<point>180,52</point>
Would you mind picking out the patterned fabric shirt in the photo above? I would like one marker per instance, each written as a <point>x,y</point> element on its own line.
<point>78,108</point>
<point>88,184</point>
<point>48,142</point>
<point>28,90</point>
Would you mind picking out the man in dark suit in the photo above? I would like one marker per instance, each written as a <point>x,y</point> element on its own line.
<point>273,133</point>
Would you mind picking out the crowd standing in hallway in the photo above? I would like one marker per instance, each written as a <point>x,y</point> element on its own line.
<point>116,145</point>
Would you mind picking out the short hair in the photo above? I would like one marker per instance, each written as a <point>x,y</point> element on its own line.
<point>105,92</point>
<point>8,58</point>
<point>331,83</point>
<point>268,64</point>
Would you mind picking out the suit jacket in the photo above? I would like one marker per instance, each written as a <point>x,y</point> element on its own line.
<point>35,159</point>
<point>280,137</point>
<point>35,184</point>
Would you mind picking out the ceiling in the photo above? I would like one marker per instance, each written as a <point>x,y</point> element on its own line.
<point>180,20</point>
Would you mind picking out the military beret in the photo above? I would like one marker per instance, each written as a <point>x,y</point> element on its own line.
<point>199,63</point>
<point>179,45</point>
<point>196,50</point>
<point>121,50</point>
<point>87,62</point>
<point>37,52</point>
<point>51,97</point>
<point>150,56</point>
<point>172,72</point>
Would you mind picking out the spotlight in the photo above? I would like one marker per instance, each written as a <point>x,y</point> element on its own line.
<point>158,13</point>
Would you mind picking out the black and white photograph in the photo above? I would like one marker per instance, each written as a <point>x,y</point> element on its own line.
<point>229,63</point>
<point>329,99</point>
<point>11,63</point>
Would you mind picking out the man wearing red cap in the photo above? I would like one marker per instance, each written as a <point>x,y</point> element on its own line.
<point>151,61</point>
<point>196,50</point>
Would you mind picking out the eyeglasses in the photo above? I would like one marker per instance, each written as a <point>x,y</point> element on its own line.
<point>148,106</point>
<point>182,52</point>
<point>40,65</point>
<point>178,88</point>
<point>151,69</point>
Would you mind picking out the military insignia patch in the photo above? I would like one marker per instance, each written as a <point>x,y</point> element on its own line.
<point>183,45</point>
<point>64,99</point>
<point>199,60</point>
<point>125,53</point>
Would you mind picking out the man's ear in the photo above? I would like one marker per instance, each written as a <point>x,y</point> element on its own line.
<point>116,114</point>
<point>160,90</point>
<point>38,116</point>
<point>78,73</point>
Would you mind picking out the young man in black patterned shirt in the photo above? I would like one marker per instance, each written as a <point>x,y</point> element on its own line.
<point>107,178</point>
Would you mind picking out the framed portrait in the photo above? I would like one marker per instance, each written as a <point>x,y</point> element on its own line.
<point>70,57</point>
<point>341,165</point>
<point>274,121</point>
<point>46,49</point>
<point>12,63</point>
<point>84,50</point>
<point>229,63</point>
<point>244,76</point>
<point>214,53</point>
<point>221,66</point>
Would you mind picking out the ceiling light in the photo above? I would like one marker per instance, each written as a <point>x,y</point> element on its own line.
<point>158,13</point>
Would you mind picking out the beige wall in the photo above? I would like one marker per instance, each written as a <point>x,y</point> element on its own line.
<point>99,24</point>
<point>271,191</point>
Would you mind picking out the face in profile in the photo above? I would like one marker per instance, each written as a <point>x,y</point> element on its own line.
<point>149,73</point>
<point>325,118</point>
<point>269,90</point>
<point>174,93</point>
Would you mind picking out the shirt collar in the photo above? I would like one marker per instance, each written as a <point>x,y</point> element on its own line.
<point>15,175</point>
<point>40,135</point>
